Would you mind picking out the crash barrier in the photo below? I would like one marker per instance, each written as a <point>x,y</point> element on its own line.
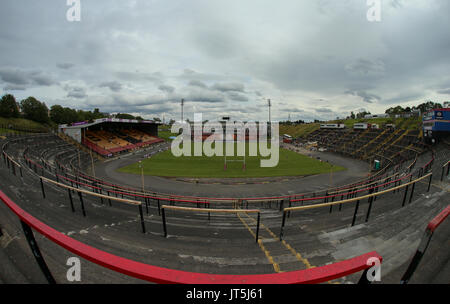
<point>209,211</point>
<point>269,200</point>
<point>278,199</point>
<point>425,241</point>
<point>101,196</point>
<point>444,167</point>
<point>370,198</point>
<point>354,192</point>
<point>234,201</point>
<point>11,163</point>
<point>426,168</point>
<point>162,275</point>
<point>145,197</point>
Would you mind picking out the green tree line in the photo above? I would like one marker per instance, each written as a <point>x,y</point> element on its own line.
<point>35,110</point>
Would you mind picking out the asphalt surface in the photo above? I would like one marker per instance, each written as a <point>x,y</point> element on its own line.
<point>250,187</point>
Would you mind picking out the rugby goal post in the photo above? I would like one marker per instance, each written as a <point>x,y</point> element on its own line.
<point>226,161</point>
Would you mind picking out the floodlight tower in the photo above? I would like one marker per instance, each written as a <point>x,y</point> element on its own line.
<point>270,105</point>
<point>182,108</point>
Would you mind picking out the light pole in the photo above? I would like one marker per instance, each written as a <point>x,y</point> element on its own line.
<point>182,109</point>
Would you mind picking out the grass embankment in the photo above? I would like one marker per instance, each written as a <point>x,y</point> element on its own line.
<point>299,130</point>
<point>20,124</point>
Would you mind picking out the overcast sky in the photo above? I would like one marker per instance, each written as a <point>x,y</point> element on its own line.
<point>313,58</point>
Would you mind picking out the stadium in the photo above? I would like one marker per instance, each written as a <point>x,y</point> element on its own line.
<point>310,228</point>
<point>92,190</point>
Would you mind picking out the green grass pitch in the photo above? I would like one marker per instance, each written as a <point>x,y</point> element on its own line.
<point>290,164</point>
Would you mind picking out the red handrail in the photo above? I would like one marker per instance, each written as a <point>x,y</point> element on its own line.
<point>435,222</point>
<point>169,276</point>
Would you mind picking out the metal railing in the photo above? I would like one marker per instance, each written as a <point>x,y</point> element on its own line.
<point>169,276</point>
<point>370,198</point>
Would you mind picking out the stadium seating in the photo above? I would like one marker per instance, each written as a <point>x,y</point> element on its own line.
<point>56,160</point>
<point>108,143</point>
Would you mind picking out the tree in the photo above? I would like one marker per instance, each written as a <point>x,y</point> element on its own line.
<point>362,114</point>
<point>34,110</point>
<point>124,116</point>
<point>8,107</point>
<point>60,115</point>
<point>395,110</point>
<point>352,115</point>
<point>57,114</point>
<point>97,114</point>
<point>429,105</point>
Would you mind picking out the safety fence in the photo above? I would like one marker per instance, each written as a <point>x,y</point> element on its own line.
<point>236,203</point>
<point>94,184</point>
<point>115,189</point>
<point>161,275</point>
<point>424,243</point>
<point>96,191</point>
<point>231,199</point>
<point>11,163</point>
<point>370,198</point>
<point>101,196</point>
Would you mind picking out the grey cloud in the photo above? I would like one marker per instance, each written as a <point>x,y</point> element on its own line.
<point>205,96</point>
<point>413,95</point>
<point>237,96</point>
<point>166,88</point>
<point>307,50</point>
<point>230,86</point>
<point>65,66</point>
<point>41,80</point>
<point>137,76</point>
<point>14,87</point>
<point>77,92</point>
<point>19,77</point>
<point>444,92</point>
<point>14,76</point>
<point>367,97</point>
<point>323,110</point>
<point>291,110</point>
<point>366,67</point>
<point>114,86</point>
<point>197,83</point>
<point>189,74</point>
<point>217,43</point>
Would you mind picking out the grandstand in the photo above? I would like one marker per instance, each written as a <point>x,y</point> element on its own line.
<point>387,144</point>
<point>110,136</point>
<point>307,231</point>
